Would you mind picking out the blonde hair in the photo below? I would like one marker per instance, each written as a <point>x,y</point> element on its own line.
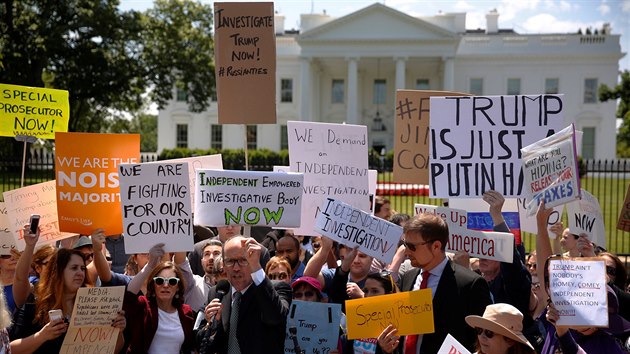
<point>5,316</point>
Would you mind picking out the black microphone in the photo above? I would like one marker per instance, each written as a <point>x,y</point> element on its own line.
<point>296,345</point>
<point>222,287</point>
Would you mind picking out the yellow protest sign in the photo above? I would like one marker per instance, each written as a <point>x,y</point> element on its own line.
<point>33,111</point>
<point>411,312</point>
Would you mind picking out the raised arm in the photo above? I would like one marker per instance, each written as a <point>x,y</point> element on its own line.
<point>314,266</point>
<point>155,257</point>
<point>21,287</point>
<point>543,245</point>
<point>100,262</point>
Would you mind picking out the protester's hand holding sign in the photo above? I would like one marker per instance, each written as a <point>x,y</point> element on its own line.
<point>388,340</point>
<point>585,246</point>
<point>557,229</point>
<point>553,315</point>
<point>156,253</point>
<point>496,201</point>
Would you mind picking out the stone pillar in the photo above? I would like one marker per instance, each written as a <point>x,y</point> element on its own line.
<point>352,115</point>
<point>306,92</point>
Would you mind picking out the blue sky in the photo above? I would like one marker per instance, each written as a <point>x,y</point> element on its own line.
<point>524,16</point>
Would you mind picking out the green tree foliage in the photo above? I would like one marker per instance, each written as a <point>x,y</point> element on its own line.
<point>620,92</point>
<point>141,123</point>
<point>107,58</point>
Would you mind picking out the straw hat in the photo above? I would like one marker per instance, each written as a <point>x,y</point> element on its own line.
<point>501,319</point>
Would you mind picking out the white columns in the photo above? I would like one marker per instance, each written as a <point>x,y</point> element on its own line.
<point>449,74</point>
<point>400,73</point>
<point>352,115</point>
<point>306,92</point>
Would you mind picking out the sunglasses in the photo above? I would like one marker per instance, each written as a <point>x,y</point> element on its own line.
<point>278,276</point>
<point>299,295</point>
<point>413,247</point>
<point>489,334</point>
<point>5,256</point>
<point>159,281</point>
<point>387,275</point>
<point>531,265</point>
<point>317,245</point>
<point>611,270</point>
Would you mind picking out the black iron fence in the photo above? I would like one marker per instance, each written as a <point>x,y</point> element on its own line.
<point>606,179</point>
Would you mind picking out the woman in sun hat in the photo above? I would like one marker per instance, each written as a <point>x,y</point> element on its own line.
<point>500,331</point>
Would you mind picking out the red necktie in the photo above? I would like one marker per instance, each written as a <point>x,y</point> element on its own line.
<point>412,340</point>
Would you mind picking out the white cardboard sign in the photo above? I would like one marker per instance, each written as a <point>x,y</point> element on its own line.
<point>452,346</point>
<point>578,291</point>
<point>156,208</point>
<point>226,197</point>
<point>498,246</point>
<point>39,199</point>
<point>354,227</point>
<point>476,141</point>
<point>7,241</point>
<point>334,160</point>
<point>585,216</point>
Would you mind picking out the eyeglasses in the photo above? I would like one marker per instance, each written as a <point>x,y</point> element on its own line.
<point>299,295</point>
<point>218,271</point>
<point>489,334</point>
<point>278,276</point>
<point>531,265</point>
<point>242,262</point>
<point>5,256</point>
<point>414,246</point>
<point>88,255</point>
<point>159,281</point>
<point>611,270</point>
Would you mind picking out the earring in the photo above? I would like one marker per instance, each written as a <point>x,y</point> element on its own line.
<point>177,296</point>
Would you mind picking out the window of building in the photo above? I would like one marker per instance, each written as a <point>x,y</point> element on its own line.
<point>590,90</point>
<point>422,84</point>
<point>552,86</point>
<point>380,91</point>
<point>476,86</point>
<point>182,95</point>
<point>588,143</point>
<point>213,95</point>
<point>337,91</point>
<point>286,90</point>
<point>181,136</point>
<point>284,138</point>
<point>252,137</point>
<point>514,86</point>
<point>216,136</point>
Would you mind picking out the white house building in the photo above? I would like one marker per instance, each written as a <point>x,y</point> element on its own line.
<point>347,69</point>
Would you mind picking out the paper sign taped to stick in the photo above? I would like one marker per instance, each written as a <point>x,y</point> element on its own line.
<point>452,346</point>
<point>90,329</point>
<point>227,197</point>
<point>354,227</point>
<point>316,324</point>
<point>209,162</point>
<point>529,223</point>
<point>624,214</point>
<point>39,199</point>
<point>156,206</point>
<point>88,193</point>
<point>476,141</point>
<point>33,111</point>
<point>498,246</point>
<point>334,160</point>
<point>245,55</point>
<point>411,140</point>
<point>7,241</point>
<point>550,167</point>
<point>410,311</point>
<point>578,291</point>
<point>585,217</point>
<point>479,217</point>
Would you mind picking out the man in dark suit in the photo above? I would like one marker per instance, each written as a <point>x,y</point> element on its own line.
<point>457,291</point>
<point>262,306</point>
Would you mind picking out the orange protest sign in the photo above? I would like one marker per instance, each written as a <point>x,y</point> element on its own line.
<point>245,55</point>
<point>411,312</point>
<point>411,144</point>
<point>624,215</point>
<point>88,193</point>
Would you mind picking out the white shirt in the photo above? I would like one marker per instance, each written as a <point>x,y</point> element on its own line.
<point>169,336</point>
<point>432,283</point>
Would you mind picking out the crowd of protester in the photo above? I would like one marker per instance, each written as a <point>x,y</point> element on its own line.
<point>232,293</point>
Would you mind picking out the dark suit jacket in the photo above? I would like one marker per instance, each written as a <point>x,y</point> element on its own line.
<point>460,292</point>
<point>262,319</point>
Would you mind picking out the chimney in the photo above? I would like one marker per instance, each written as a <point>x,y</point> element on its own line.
<point>492,22</point>
<point>278,24</point>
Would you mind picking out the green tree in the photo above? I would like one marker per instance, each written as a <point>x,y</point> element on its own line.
<point>620,92</point>
<point>107,58</point>
<point>142,123</point>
